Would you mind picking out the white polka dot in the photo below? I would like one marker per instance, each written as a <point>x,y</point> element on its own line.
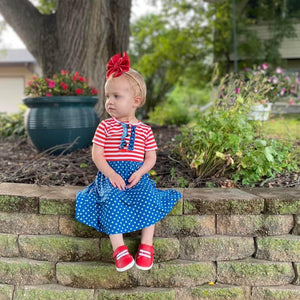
<point>109,210</point>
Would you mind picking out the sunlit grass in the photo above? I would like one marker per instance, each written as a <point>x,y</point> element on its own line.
<point>285,127</point>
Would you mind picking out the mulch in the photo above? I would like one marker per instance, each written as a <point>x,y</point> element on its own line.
<point>20,162</point>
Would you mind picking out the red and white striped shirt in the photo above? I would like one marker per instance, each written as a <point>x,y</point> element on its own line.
<point>109,135</point>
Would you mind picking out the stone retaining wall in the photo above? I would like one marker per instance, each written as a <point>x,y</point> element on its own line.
<point>215,244</point>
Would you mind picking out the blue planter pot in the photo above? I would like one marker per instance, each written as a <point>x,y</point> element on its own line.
<point>60,121</point>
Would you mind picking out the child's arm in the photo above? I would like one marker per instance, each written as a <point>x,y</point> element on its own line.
<point>98,157</point>
<point>149,162</point>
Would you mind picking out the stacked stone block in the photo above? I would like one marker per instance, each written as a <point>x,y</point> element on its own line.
<point>215,244</point>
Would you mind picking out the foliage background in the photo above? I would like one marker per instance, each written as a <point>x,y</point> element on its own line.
<point>177,47</point>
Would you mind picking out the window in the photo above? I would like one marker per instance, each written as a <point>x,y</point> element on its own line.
<point>268,9</point>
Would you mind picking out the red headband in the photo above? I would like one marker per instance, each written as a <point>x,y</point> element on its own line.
<point>118,65</point>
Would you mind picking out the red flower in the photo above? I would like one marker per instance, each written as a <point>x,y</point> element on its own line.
<point>63,85</point>
<point>79,91</point>
<point>118,65</point>
<point>94,91</point>
<point>51,84</point>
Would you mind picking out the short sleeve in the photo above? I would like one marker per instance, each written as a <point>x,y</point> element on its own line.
<point>100,135</point>
<point>150,143</point>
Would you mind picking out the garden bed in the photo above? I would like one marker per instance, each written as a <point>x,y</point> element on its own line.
<point>21,163</point>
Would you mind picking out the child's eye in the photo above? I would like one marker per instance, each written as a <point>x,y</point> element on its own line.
<point>116,96</point>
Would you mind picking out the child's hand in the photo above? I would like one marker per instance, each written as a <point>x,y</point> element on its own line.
<point>117,181</point>
<point>134,179</point>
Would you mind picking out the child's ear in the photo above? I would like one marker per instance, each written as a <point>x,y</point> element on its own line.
<point>138,101</point>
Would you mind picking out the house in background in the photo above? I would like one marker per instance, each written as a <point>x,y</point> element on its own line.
<point>17,66</point>
<point>289,48</point>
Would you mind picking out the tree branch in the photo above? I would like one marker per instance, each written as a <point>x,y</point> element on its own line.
<point>24,18</point>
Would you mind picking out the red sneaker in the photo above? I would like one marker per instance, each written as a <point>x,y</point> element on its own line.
<point>144,257</point>
<point>123,260</point>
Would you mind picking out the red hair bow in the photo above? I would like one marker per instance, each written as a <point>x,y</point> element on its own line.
<point>117,65</point>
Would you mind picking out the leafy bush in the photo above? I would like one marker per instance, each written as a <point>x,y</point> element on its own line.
<point>223,141</point>
<point>181,106</point>
<point>169,114</point>
<point>280,84</point>
<point>190,96</point>
<point>12,125</point>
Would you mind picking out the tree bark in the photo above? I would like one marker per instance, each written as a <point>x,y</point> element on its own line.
<point>80,36</point>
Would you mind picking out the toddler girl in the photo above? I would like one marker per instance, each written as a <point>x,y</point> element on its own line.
<point>122,198</point>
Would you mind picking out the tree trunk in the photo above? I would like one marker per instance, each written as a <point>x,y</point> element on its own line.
<point>81,36</point>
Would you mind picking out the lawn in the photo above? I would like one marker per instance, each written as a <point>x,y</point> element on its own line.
<point>286,127</point>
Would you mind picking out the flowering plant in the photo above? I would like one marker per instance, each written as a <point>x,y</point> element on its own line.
<point>234,89</point>
<point>280,84</point>
<point>61,84</point>
<point>258,85</point>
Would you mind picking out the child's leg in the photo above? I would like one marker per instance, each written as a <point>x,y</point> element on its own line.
<point>144,256</point>
<point>123,260</point>
<point>116,240</point>
<point>147,235</point>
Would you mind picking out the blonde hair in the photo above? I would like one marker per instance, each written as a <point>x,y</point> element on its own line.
<point>137,83</point>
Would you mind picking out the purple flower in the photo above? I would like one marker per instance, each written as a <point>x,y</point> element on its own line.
<point>237,90</point>
<point>275,80</point>
<point>265,66</point>
<point>279,70</point>
<point>282,91</point>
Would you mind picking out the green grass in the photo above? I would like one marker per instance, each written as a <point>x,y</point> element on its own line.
<point>285,127</point>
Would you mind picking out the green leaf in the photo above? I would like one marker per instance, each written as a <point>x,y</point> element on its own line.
<point>268,153</point>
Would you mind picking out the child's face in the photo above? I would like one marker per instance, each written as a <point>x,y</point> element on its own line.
<point>120,100</point>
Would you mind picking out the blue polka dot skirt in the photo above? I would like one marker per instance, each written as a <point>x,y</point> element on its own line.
<point>112,211</point>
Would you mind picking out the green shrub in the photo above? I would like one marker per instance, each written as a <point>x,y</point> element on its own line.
<point>181,106</point>
<point>189,96</point>
<point>224,142</point>
<point>169,114</point>
<point>12,125</point>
